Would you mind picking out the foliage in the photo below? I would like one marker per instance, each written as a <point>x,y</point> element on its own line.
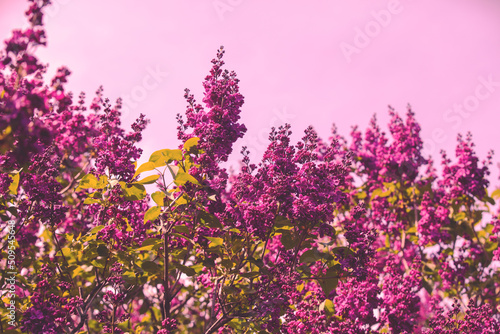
<point>318,237</point>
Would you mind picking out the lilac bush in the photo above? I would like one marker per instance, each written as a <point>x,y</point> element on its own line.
<point>358,235</point>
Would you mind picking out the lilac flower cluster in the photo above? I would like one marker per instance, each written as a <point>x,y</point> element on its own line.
<point>337,236</point>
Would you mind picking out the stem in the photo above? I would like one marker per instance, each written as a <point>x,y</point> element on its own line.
<point>87,303</point>
<point>72,182</point>
<point>80,291</point>
<point>218,324</point>
<point>166,293</point>
<point>113,320</point>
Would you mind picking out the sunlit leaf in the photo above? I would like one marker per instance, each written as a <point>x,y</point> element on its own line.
<point>133,192</point>
<point>158,197</point>
<point>152,214</point>
<point>182,178</point>
<point>148,179</point>
<point>145,167</point>
<point>90,181</point>
<point>162,157</point>
<point>214,241</point>
<point>14,184</point>
<point>191,143</point>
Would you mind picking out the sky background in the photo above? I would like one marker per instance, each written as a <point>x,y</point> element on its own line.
<point>317,64</point>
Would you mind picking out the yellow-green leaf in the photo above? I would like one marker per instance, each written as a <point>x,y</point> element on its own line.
<point>165,156</point>
<point>214,242</point>
<point>460,216</point>
<point>145,167</point>
<point>90,201</point>
<point>376,192</point>
<point>149,244</point>
<point>90,181</point>
<point>496,194</point>
<point>182,178</point>
<point>173,170</point>
<point>327,306</point>
<point>152,214</point>
<point>96,229</point>
<point>159,198</point>
<point>15,183</point>
<point>190,143</point>
<point>98,263</point>
<point>133,192</point>
<point>148,179</point>
<point>362,195</point>
<point>66,251</point>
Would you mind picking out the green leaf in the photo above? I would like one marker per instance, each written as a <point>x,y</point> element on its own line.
<point>182,178</point>
<point>427,286</point>
<point>145,167</point>
<point>14,184</point>
<point>159,198</point>
<point>329,283</point>
<point>327,306</point>
<point>69,237</point>
<point>90,181</point>
<point>173,170</point>
<point>460,216</point>
<point>98,263</point>
<point>133,192</point>
<point>197,267</point>
<point>227,263</point>
<point>152,214</point>
<point>489,200</point>
<point>186,270</point>
<point>214,242</point>
<point>251,274</point>
<point>191,143</point>
<point>96,229</point>
<point>181,200</point>
<point>183,237</point>
<point>66,251</point>
<point>490,246</point>
<point>209,219</point>
<point>162,157</point>
<point>376,192</point>
<point>13,210</point>
<point>78,271</point>
<point>361,195</point>
<point>129,277</point>
<point>150,267</point>
<point>150,244</point>
<point>102,250</point>
<point>385,193</point>
<point>182,228</point>
<point>387,241</point>
<point>287,240</point>
<point>148,180</point>
<point>89,201</point>
<point>281,221</point>
<point>344,251</point>
<point>411,230</point>
<point>310,256</point>
<point>496,194</point>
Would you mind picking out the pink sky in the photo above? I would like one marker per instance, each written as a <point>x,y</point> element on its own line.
<point>301,64</point>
